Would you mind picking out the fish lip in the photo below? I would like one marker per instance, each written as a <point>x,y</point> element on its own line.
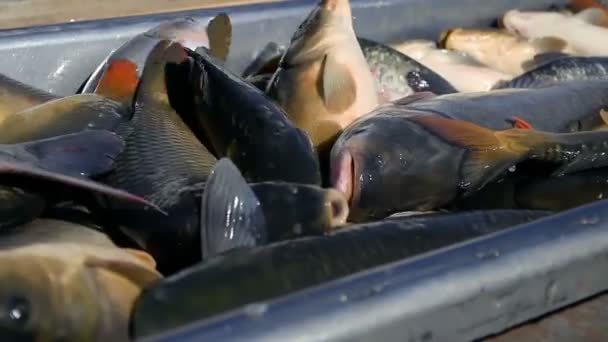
<point>351,190</point>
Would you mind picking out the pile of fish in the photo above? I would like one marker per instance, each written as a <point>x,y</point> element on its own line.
<point>171,189</point>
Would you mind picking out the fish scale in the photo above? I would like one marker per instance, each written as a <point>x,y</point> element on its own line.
<point>161,158</point>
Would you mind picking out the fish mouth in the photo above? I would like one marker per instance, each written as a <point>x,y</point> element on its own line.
<point>343,177</point>
<point>336,209</point>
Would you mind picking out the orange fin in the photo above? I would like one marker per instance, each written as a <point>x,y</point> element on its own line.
<point>119,82</point>
<point>520,123</point>
<point>488,155</point>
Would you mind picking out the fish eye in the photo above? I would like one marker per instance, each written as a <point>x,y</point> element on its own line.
<point>18,311</point>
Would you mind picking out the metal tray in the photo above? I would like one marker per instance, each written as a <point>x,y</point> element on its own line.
<point>463,292</point>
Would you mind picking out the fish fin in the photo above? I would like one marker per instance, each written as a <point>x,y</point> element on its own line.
<point>549,44</point>
<point>543,58</point>
<point>33,173</point>
<point>138,274</point>
<point>520,123</point>
<point>219,31</point>
<point>593,16</point>
<point>231,214</point>
<point>142,256</point>
<point>119,81</point>
<point>86,153</point>
<point>488,156</point>
<point>423,95</point>
<point>339,90</point>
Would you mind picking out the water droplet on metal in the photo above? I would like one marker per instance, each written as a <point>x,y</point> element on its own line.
<point>594,219</point>
<point>256,310</point>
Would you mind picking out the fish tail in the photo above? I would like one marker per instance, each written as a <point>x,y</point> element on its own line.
<point>489,153</point>
<point>231,214</point>
<point>87,153</point>
<point>219,31</point>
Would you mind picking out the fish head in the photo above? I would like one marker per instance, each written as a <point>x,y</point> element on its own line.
<point>385,163</point>
<point>188,31</point>
<point>532,24</point>
<point>43,298</point>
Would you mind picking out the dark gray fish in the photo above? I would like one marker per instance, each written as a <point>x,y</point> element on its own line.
<point>560,69</point>
<point>166,164</point>
<point>261,141</point>
<point>266,62</point>
<point>16,96</point>
<point>40,172</point>
<point>566,107</point>
<point>398,75</point>
<point>258,274</point>
<point>258,213</point>
<point>392,160</point>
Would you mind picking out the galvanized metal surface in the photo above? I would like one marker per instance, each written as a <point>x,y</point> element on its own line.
<point>584,322</point>
<point>59,58</point>
<point>459,293</point>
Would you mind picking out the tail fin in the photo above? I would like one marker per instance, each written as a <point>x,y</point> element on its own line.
<point>231,214</point>
<point>87,153</point>
<point>119,82</point>
<point>490,153</point>
<point>219,32</point>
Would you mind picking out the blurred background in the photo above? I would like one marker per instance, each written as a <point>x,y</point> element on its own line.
<point>23,13</point>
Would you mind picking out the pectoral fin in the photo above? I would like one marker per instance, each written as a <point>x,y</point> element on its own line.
<point>219,31</point>
<point>119,82</point>
<point>338,85</point>
<point>138,274</point>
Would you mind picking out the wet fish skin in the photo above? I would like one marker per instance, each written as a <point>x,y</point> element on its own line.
<point>568,107</point>
<point>243,277</point>
<point>459,69</point>
<point>167,165</point>
<point>391,161</point>
<point>63,281</point>
<point>61,116</point>
<point>323,82</point>
<point>499,49</point>
<point>186,30</point>
<point>398,75</point>
<point>18,206</point>
<point>16,96</point>
<point>261,141</point>
<point>563,69</point>
<point>293,210</point>
<point>266,61</point>
<point>580,31</point>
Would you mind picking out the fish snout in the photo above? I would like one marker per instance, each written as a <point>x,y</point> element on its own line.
<point>340,7</point>
<point>444,38</point>
<point>336,209</point>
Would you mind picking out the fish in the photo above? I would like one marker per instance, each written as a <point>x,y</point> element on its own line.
<point>38,173</point>
<point>499,49</point>
<point>164,163</point>
<point>261,141</point>
<point>258,274</point>
<point>398,75</point>
<point>581,5</point>
<point>16,96</point>
<point>264,212</point>
<point>524,189</point>
<point>559,69</point>
<point>579,31</point>
<point>66,115</point>
<point>64,281</point>
<point>187,31</point>
<point>323,81</point>
<point>560,108</point>
<point>392,161</point>
<point>459,69</point>
<point>266,61</point>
